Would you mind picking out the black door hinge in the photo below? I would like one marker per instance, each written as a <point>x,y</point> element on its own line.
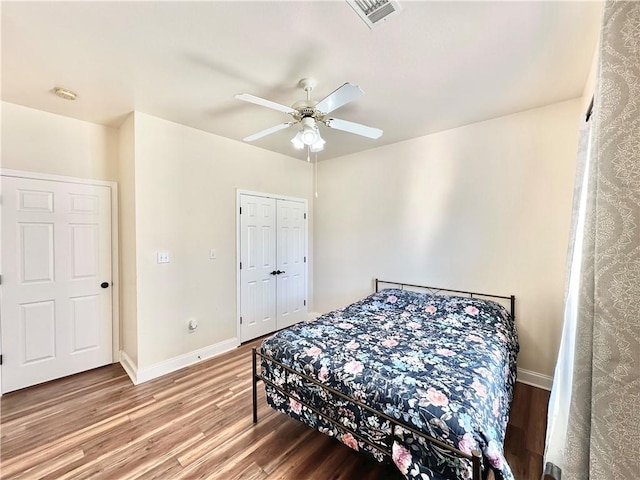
<point>240,265</point>
<point>305,216</point>
<point>305,259</point>
<point>240,320</point>
<point>305,303</point>
<point>240,210</point>
<point>0,359</point>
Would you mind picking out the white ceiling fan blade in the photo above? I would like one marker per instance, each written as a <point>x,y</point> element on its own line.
<point>246,97</point>
<point>352,127</point>
<point>345,94</point>
<point>267,131</point>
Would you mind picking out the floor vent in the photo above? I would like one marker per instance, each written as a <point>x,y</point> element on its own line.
<point>374,12</point>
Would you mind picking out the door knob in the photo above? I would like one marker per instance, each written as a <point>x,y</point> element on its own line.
<point>280,271</point>
<point>275,273</point>
<point>104,284</point>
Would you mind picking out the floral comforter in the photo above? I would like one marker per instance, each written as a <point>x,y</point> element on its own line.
<point>445,366</point>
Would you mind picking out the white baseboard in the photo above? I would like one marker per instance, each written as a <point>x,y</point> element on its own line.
<point>534,379</point>
<point>141,375</point>
<point>313,315</point>
<point>129,366</point>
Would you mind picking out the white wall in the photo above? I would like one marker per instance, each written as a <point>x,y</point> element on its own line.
<point>590,84</point>
<point>485,207</point>
<point>37,141</point>
<point>43,142</point>
<point>185,203</point>
<point>127,230</point>
<point>482,207</point>
<point>177,192</point>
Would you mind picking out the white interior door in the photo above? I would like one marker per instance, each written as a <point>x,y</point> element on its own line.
<point>55,317</point>
<point>291,285</point>
<point>258,264</point>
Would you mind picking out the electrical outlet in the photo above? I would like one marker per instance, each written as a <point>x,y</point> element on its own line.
<point>212,254</point>
<point>163,257</point>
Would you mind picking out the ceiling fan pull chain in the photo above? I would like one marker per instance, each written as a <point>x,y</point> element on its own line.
<point>315,175</point>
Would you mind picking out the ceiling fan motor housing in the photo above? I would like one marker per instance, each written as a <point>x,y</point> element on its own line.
<point>307,112</point>
<point>306,108</point>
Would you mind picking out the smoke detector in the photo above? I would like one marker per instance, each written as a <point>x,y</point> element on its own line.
<point>374,12</point>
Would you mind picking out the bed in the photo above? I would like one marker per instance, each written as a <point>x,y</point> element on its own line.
<point>419,378</point>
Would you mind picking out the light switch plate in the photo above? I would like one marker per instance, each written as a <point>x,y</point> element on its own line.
<point>163,257</point>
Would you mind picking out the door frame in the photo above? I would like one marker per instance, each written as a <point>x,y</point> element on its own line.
<point>115,262</point>
<point>240,192</point>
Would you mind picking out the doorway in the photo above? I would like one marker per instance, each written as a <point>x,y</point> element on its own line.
<point>57,312</point>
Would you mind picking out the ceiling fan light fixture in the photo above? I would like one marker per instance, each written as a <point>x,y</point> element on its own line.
<point>298,144</point>
<point>309,135</point>
<point>319,145</point>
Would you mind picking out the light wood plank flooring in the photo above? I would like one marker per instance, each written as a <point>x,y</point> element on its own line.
<point>196,423</point>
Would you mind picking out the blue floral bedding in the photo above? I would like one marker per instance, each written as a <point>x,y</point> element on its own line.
<point>443,365</point>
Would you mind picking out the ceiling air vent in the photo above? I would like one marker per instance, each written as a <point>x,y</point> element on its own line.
<point>374,12</point>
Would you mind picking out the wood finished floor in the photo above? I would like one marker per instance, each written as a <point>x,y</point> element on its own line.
<point>196,423</point>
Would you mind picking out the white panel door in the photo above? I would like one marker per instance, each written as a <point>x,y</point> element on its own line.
<point>258,266</point>
<point>291,286</point>
<point>56,317</point>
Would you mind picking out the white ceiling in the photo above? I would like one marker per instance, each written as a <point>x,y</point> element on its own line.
<point>435,66</point>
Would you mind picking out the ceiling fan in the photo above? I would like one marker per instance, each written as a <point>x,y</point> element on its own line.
<point>310,114</point>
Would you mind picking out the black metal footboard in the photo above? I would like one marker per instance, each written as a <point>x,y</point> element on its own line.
<point>385,449</point>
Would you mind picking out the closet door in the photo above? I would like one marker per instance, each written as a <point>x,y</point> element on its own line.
<point>257,266</point>
<point>273,242</point>
<point>291,287</point>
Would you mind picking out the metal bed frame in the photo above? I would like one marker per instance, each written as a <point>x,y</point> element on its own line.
<point>385,449</point>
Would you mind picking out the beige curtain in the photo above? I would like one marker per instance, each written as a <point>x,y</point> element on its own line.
<point>603,425</point>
